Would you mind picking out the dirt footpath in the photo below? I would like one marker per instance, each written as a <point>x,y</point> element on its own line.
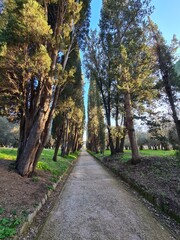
<point>94,205</point>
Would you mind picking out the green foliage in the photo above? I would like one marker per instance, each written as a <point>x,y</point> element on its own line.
<point>177,153</point>
<point>53,179</point>
<point>25,23</point>
<point>33,34</point>
<point>49,187</point>
<point>1,210</point>
<point>9,133</point>
<point>96,126</point>
<point>165,57</point>
<point>110,62</point>
<point>176,81</point>
<point>56,168</point>
<point>8,226</point>
<point>43,166</point>
<point>68,124</point>
<point>82,28</point>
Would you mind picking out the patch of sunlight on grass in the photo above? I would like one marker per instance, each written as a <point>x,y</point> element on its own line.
<point>45,163</point>
<point>159,153</point>
<point>8,153</point>
<point>126,156</point>
<point>56,168</point>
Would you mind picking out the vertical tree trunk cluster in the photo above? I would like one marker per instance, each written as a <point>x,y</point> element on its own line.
<point>69,137</point>
<point>34,130</point>
<point>95,126</point>
<point>36,124</point>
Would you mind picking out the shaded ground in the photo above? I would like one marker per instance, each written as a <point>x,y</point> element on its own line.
<point>156,178</point>
<point>19,196</point>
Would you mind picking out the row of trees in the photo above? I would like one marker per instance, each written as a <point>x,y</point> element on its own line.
<point>131,66</point>
<point>69,121</point>
<point>95,125</point>
<point>37,41</point>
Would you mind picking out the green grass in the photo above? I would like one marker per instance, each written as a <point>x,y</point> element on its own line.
<point>159,153</point>
<point>56,168</point>
<point>45,162</point>
<point>127,154</point>
<point>8,153</point>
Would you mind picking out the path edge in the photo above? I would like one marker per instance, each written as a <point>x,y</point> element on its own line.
<point>152,199</point>
<point>30,218</point>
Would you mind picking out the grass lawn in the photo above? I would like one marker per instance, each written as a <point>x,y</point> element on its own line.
<point>127,154</point>
<point>45,162</point>
<point>56,168</point>
<point>8,153</point>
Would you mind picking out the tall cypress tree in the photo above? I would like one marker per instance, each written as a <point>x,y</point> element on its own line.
<point>120,60</point>
<point>33,36</point>
<point>95,126</point>
<point>164,56</point>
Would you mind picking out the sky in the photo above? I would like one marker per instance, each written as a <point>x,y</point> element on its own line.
<point>166,15</point>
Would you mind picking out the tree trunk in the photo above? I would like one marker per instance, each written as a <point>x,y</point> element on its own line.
<point>123,138</point>
<point>65,140</point>
<point>107,107</point>
<point>34,129</point>
<point>121,147</point>
<point>76,145</point>
<point>70,140</point>
<point>111,144</point>
<point>130,128</point>
<point>57,144</point>
<point>117,125</point>
<point>75,140</point>
<point>171,102</point>
<point>32,144</point>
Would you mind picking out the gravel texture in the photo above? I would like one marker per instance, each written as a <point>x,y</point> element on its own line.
<point>95,205</point>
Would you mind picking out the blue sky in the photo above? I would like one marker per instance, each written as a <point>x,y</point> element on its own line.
<point>166,15</point>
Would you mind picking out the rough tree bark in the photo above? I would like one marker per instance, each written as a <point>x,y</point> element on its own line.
<point>130,128</point>
<point>34,132</point>
<point>57,144</point>
<point>65,139</point>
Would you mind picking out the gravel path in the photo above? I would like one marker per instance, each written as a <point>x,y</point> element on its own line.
<point>94,205</point>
